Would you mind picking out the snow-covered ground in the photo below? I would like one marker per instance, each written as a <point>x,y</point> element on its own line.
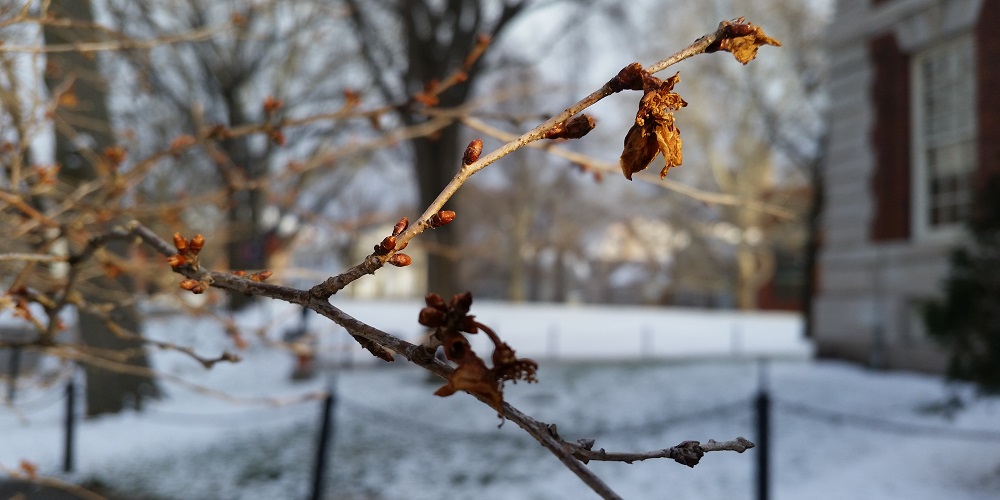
<point>838,431</point>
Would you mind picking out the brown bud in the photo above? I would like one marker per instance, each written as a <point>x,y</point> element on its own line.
<point>176,260</point>
<point>182,142</point>
<point>400,260</point>
<point>388,244</point>
<point>472,152</point>
<point>436,301</point>
<point>272,104</point>
<point>461,302</point>
<point>180,243</point>
<point>431,317</point>
<point>400,226</point>
<point>441,218</point>
<point>629,78</point>
<point>573,128</point>
<point>468,325</point>
<point>277,137</point>
<point>189,284</point>
<point>114,155</point>
<point>239,272</point>
<point>261,276</point>
<point>196,243</point>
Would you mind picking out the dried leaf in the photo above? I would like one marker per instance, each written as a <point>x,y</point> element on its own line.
<point>473,377</point>
<point>743,40</point>
<point>654,130</point>
<point>639,151</point>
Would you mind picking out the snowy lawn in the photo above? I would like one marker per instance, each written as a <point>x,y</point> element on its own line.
<point>395,440</point>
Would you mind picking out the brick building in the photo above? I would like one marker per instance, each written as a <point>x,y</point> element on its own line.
<point>914,132</point>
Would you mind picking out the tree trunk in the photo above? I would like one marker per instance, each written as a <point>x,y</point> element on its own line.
<point>107,391</point>
<point>437,160</point>
<point>245,238</point>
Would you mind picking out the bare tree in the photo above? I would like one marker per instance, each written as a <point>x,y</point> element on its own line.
<point>262,56</point>
<point>85,147</point>
<point>88,214</point>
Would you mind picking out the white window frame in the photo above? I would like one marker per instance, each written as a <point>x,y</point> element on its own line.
<point>923,228</point>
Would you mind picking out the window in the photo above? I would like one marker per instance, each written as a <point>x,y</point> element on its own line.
<point>944,135</point>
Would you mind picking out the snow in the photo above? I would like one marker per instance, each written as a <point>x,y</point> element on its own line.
<point>672,376</point>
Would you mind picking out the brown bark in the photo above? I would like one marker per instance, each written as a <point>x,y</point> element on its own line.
<point>107,391</point>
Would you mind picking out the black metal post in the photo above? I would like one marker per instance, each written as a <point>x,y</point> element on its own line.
<point>70,426</point>
<point>13,372</point>
<point>763,433</point>
<point>325,440</point>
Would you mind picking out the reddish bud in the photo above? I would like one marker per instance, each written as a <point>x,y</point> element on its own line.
<point>241,273</point>
<point>351,98</point>
<point>180,243</point>
<point>629,78</point>
<point>196,243</point>
<point>400,226</point>
<point>461,302</point>
<point>441,218</point>
<point>189,284</point>
<point>176,260</point>
<point>272,104</point>
<point>431,317</point>
<point>573,128</point>
<point>472,152</point>
<point>114,155</point>
<point>436,301</point>
<point>400,260</point>
<point>277,137</point>
<point>182,142</point>
<point>388,244</point>
<point>261,276</point>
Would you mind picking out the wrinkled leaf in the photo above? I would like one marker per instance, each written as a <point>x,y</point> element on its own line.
<point>743,40</point>
<point>654,130</point>
<point>472,376</point>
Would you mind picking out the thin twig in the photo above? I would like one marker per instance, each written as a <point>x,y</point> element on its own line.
<point>687,453</point>
<point>597,165</point>
<point>336,283</point>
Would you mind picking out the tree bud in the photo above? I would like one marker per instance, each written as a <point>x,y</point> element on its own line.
<point>441,218</point>
<point>472,152</point>
<point>400,226</point>
<point>400,260</point>
<point>196,243</point>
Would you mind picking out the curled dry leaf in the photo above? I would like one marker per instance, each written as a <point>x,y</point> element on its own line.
<point>472,375</point>
<point>742,39</point>
<point>654,130</point>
